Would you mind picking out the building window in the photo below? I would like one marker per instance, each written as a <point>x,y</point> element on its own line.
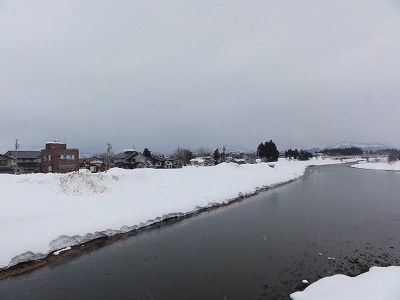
<point>3,163</point>
<point>50,168</point>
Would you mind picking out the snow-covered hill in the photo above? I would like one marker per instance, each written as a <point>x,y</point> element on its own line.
<point>343,145</point>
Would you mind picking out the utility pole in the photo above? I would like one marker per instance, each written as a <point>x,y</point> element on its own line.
<point>16,156</point>
<point>108,154</point>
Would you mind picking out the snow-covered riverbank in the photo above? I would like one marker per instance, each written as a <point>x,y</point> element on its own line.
<point>378,283</point>
<point>381,165</point>
<point>42,213</point>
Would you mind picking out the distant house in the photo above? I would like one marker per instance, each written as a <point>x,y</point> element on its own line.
<point>6,164</point>
<point>56,158</point>
<point>172,163</point>
<point>27,161</point>
<point>93,164</point>
<point>155,163</point>
<point>130,159</point>
<point>164,163</point>
<point>202,161</point>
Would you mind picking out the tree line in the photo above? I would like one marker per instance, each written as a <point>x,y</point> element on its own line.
<point>343,151</point>
<point>300,155</point>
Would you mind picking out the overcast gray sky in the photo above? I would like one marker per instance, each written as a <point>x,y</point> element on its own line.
<point>163,74</point>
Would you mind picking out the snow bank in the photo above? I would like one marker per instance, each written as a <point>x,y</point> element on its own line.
<point>378,283</point>
<point>42,213</point>
<point>381,165</point>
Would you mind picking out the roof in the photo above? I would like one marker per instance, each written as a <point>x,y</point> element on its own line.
<point>5,157</point>
<point>24,154</point>
<point>55,142</point>
<point>125,154</point>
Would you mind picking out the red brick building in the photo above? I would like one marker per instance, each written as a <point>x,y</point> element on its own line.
<point>56,158</point>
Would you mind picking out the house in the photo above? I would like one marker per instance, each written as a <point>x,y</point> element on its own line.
<point>27,161</point>
<point>56,158</point>
<point>6,164</point>
<point>93,164</point>
<point>172,163</point>
<point>130,159</point>
<point>155,163</point>
<point>203,161</point>
<point>164,163</point>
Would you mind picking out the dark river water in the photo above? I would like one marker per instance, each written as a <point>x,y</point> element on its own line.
<point>335,219</point>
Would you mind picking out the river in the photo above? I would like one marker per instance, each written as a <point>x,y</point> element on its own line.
<point>335,219</point>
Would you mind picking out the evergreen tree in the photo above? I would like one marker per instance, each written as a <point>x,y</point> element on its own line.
<point>343,151</point>
<point>305,155</point>
<point>268,151</point>
<point>216,156</point>
<point>272,153</point>
<point>261,151</point>
<point>295,154</point>
<point>147,153</point>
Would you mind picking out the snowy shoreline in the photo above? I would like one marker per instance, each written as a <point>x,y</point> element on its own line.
<point>380,165</point>
<point>44,213</point>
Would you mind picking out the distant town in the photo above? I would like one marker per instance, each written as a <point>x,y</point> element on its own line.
<point>56,157</point>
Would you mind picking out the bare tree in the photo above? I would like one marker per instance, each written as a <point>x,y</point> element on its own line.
<point>202,151</point>
<point>393,157</point>
<point>184,155</point>
<point>107,157</point>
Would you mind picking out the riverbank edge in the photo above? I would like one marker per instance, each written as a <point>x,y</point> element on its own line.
<point>371,169</point>
<point>31,265</point>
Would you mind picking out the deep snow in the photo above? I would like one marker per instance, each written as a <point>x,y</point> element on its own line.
<point>42,213</point>
<point>378,164</point>
<point>377,283</point>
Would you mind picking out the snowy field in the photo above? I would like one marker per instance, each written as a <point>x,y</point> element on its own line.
<point>379,164</point>
<point>42,213</point>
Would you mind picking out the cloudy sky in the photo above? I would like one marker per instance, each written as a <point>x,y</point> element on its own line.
<point>163,74</point>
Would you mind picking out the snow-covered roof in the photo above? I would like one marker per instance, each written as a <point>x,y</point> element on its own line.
<point>197,159</point>
<point>55,142</point>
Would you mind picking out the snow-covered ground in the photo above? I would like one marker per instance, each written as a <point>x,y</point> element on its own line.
<point>41,213</point>
<point>378,164</point>
<point>377,283</point>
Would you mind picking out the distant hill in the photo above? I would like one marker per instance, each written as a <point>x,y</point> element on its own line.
<point>366,147</point>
